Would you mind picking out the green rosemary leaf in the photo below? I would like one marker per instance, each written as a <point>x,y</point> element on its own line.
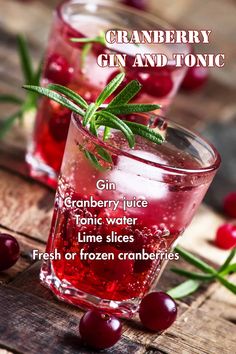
<point>110,88</point>
<point>69,94</point>
<point>84,53</point>
<point>98,39</point>
<point>130,90</point>
<point>230,269</point>
<point>7,123</point>
<point>102,38</point>
<point>145,132</point>
<point>83,40</point>
<point>25,59</point>
<point>197,262</point>
<point>65,102</point>
<point>230,286</point>
<point>92,127</point>
<point>110,120</point>
<point>94,161</point>
<point>89,113</point>
<point>131,108</point>
<point>192,275</point>
<point>106,133</point>
<point>104,154</point>
<point>228,260</point>
<point>37,74</point>
<point>186,288</point>
<point>10,99</point>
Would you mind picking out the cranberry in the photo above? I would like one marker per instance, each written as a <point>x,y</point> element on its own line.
<point>158,84</point>
<point>99,330</point>
<point>157,311</point>
<point>226,236</point>
<point>229,204</point>
<point>9,251</point>
<point>111,269</point>
<point>58,123</point>
<point>58,70</point>
<point>138,4</point>
<point>194,78</point>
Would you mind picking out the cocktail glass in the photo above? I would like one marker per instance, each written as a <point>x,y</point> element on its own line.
<point>75,65</point>
<point>171,179</point>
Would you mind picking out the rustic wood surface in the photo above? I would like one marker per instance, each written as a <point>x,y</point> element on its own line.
<point>31,319</point>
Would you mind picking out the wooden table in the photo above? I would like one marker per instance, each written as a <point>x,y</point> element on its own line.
<point>31,319</point>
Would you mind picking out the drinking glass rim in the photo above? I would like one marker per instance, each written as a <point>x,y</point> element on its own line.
<point>132,11</point>
<point>168,168</point>
<point>120,6</point>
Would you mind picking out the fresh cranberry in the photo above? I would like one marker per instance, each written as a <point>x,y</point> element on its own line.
<point>158,84</point>
<point>195,78</point>
<point>138,4</point>
<point>113,269</point>
<point>58,70</point>
<point>99,330</point>
<point>9,251</point>
<point>226,236</point>
<point>157,311</point>
<point>58,123</point>
<point>229,205</point>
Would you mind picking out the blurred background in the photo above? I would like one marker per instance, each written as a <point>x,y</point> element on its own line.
<point>211,109</point>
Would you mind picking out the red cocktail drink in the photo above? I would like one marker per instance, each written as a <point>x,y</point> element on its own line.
<point>121,217</point>
<point>75,65</point>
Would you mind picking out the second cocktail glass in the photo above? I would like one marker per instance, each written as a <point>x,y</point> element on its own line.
<point>72,65</point>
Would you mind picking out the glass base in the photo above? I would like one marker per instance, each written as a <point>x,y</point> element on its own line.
<point>64,291</point>
<point>40,171</point>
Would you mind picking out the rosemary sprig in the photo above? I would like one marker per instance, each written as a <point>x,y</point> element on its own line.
<point>87,45</point>
<point>208,274</point>
<point>184,289</point>
<point>95,115</point>
<point>31,77</point>
<point>97,39</point>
